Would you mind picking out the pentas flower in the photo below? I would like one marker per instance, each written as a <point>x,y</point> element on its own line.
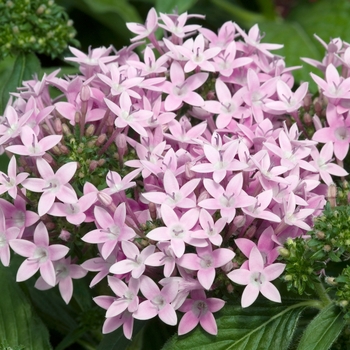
<point>199,309</point>
<point>181,90</point>
<point>10,181</point>
<point>127,296</point>
<point>257,279</point>
<point>177,230</point>
<point>174,196</point>
<point>7,234</point>
<point>31,146</point>
<point>143,31</point>
<point>205,262</point>
<point>40,255</point>
<point>228,106</point>
<point>65,272</point>
<point>127,117</point>
<point>322,161</point>
<point>52,185</point>
<point>111,229</point>
<point>338,133</point>
<point>165,256</point>
<point>221,162</point>
<point>134,262</point>
<point>226,200</point>
<point>158,301</point>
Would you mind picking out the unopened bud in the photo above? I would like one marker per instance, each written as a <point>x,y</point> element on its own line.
<point>250,232</point>
<point>317,122</point>
<point>230,289</point>
<point>211,95</point>
<point>327,248</point>
<point>239,221</point>
<point>343,303</point>
<point>288,278</point>
<point>307,102</point>
<point>41,9</point>
<point>106,200</point>
<point>307,119</point>
<point>320,235</point>
<point>318,108</point>
<point>284,252</point>
<point>58,126</point>
<point>64,149</point>
<point>50,225</point>
<point>90,130</point>
<point>152,210</point>
<point>332,195</point>
<point>77,117</point>
<point>330,281</point>
<point>101,140</point>
<point>93,165</point>
<point>85,93</point>
<point>64,235</point>
<point>66,130</point>
<point>101,162</point>
<point>122,145</point>
<point>56,150</point>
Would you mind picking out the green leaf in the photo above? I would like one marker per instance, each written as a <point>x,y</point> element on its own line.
<point>323,330</point>
<point>19,325</point>
<point>23,69</point>
<point>178,5</point>
<point>264,325</point>
<point>116,340</point>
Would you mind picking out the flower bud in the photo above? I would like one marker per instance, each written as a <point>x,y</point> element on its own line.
<point>327,248</point>
<point>250,232</point>
<point>152,210</point>
<point>58,126</point>
<point>122,145</point>
<point>93,165</point>
<point>239,221</point>
<point>317,122</point>
<point>106,200</point>
<point>332,195</point>
<point>90,130</point>
<point>188,172</point>
<point>284,252</point>
<point>64,235</point>
<point>66,130</point>
<point>85,93</point>
<point>203,195</point>
<point>307,119</point>
<point>330,281</point>
<point>101,140</point>
<point>320,235</point>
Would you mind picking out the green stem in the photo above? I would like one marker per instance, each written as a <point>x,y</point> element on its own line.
<point>321,292</point>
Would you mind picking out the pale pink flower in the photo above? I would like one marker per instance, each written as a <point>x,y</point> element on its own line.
<point>199,309</point>
<point>31,146</point>
<point>134,261</point>
<point>181,90</point>
<point>40,255</point>
<point>10,181</point>
<point>52,185</point>
<point>143,31</point>
<point>177,230</point>
<point>205,262</point>
<point>257,279</point>
<point>65,272</point>
<point>158,301</point>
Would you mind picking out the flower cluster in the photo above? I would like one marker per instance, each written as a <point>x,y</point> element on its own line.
<point>171,175</point>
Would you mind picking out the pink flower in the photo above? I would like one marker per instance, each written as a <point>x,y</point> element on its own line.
<point>134,262</point>
<point>52,185</point>
<point>322,161</point>
<point>181,90</point>
<point>158,301</point>
<point>205,262</point>
<point>9,182</point>
<point>200,310</point>
<point>257,279</point>
<point>39,254</point>
<point>111,230</point>
<point>177,230</point>
<point>65,272</point>
<point>143,31</point>
<point>31,146</point>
